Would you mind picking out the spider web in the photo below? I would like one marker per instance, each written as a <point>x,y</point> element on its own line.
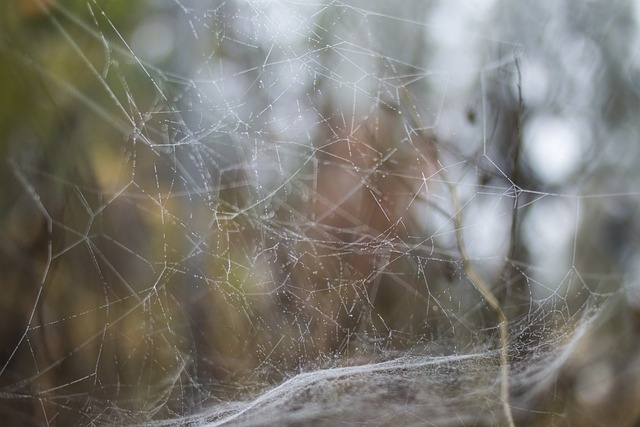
<point>263,212</point>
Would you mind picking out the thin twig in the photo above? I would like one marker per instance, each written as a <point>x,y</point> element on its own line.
<point>478,282</point>
<point>483,288</point>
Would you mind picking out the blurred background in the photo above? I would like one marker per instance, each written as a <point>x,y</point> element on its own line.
<point>201,199</point>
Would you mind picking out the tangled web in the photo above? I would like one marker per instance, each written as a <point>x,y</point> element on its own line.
<point>261,212</point>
